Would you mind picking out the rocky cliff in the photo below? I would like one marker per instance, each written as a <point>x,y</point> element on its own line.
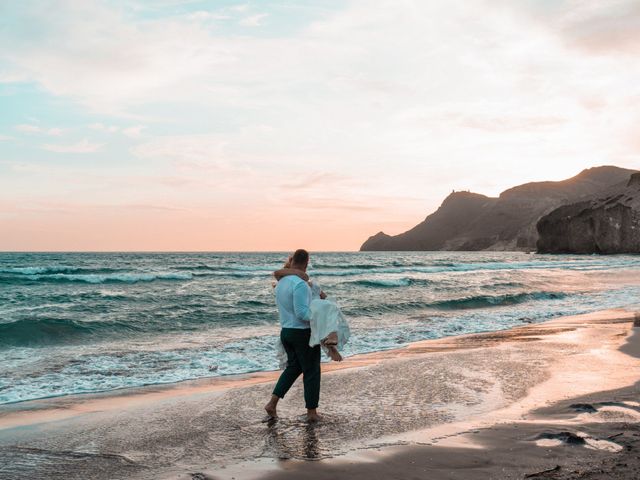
<point>470,221</point>
<point>450,221</point>
<point>607,223</point>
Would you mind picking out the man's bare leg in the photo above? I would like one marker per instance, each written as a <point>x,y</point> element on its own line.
<point>271,407</point>
<point>312,415</point>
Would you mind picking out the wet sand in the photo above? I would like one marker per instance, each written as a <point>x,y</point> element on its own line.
<point>495,405</point>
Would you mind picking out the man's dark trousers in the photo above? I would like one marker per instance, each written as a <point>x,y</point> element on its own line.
<point>301,359</point>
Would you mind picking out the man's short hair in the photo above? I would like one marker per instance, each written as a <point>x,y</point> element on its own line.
<point>300,257</point>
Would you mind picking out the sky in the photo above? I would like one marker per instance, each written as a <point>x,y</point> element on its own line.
<point>218,125</point>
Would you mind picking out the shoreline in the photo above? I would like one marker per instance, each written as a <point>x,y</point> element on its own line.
<point>60,407</point>
<point>210,425</point>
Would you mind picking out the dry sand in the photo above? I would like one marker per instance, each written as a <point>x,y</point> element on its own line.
<point>496,405</point>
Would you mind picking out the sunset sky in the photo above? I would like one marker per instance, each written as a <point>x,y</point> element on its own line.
<point>271,125</point>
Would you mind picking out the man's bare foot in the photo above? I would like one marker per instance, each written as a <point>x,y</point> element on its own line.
<point>271,411</point>
<point>312,416</point>
<point>270,407</point>
<point>334,354</point>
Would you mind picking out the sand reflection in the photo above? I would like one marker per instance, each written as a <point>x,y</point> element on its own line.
<point>298,439</point>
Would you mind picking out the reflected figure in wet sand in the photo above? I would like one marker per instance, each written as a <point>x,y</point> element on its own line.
<point>293,298</point>
<point>286,440</point>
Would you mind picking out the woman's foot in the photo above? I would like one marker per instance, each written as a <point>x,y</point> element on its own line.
<point>334,354</point>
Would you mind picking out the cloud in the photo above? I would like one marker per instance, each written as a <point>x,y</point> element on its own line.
<point>206,16</point>
<point>83,146</point>
<point>133,132</point>
<point>253,20</point>
<point>189,149</point>
<point>13,77</point>
<point>144,207</point>
<point>597,27</point>
<point>317,179</point>
<point>27,128</point>
<point>336,205</point>
<point>511,123</point>
<point>112,63</point>
<point>243,7</point>
<point>104,128</point>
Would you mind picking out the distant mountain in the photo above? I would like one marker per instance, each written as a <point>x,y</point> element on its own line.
<point>609,222</point>
<point>470,221</point>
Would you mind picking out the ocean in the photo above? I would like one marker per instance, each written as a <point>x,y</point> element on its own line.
<point>74,323</point>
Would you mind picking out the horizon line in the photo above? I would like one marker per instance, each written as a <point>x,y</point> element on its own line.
<point>173,251</point>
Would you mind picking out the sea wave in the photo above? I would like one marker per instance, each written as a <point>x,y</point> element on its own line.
<point>389,283</point>
<point>467,267</point>
<point>462,303</point>
<point>54,269</point>
<point>239,271</point>
<point>41,330</point>
<point>184,272</point>
<point>346,266</point>
<point>95,278</point>
<point>365,269</point>
<point>234,274</point>
<point>355,269</point>
<point>381,265</point>
<point>482,301</point>
<point>46,331</point>
<point>34,332</point>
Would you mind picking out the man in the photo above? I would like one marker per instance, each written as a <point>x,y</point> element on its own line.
<point>293,297</point>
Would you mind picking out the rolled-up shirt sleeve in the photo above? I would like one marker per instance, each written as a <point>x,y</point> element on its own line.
<point>301,300</point>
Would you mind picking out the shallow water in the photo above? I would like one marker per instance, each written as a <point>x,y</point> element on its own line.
<point>77,323</point>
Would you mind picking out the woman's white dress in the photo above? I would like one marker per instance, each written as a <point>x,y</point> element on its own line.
<point>326,318</point>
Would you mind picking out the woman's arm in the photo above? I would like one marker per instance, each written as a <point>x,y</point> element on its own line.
<point>283,272</point>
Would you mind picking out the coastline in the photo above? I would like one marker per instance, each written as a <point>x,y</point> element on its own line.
<point>376,405</point>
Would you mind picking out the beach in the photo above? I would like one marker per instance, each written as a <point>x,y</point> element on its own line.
<point>426,212</point>
<point>488,405</point>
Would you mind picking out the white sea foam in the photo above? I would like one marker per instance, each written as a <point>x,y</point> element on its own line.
<point>116,277</point>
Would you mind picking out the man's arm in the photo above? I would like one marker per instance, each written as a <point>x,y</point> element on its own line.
<point>301,302</point>
<point>283,272</point>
